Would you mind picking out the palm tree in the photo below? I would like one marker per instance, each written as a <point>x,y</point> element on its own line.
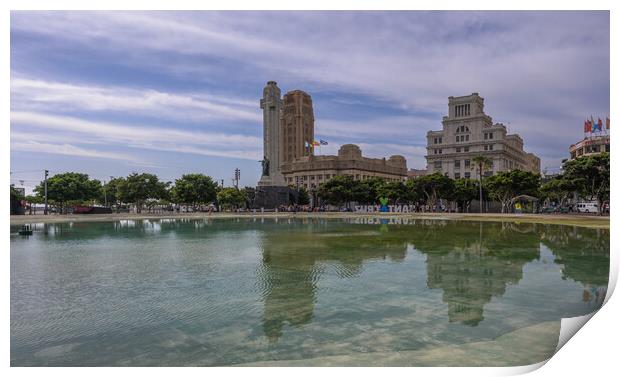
<point>481,163</point>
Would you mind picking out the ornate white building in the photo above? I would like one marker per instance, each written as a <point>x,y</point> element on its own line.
<point>468,132</point>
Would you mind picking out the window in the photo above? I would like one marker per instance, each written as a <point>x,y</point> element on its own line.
<point>465,149</point>
<point>457,175</point>
<point>439,151</point>
<point>467,164</point>
<point>466,137</point>
<point>467,174</point>
<point>457,164</point>
<point>486,147</point>
<point>458,150</point>
<point>490,135</point>
<point>491,147</point>
<point>437,164</point>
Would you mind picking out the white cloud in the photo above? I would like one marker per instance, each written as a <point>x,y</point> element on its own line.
<point>29,94</point>
<point>68,150</point>
<point>535,69</point>
<point>131,136</point>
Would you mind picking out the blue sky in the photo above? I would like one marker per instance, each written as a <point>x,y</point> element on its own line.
<point>110,93</point>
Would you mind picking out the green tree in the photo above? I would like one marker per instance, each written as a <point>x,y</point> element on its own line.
<point>558,189</point>
<point>137,188</point>
<point>368,191</point>
<point>590,174</point>
<point>465,190</point>
<point>69,187</point>
<point>16,194</point>
<point>481,164</point>
<point>16,198</point>
<point>414,194</point>
<point>396,192</point>
<point>434,187</point>
<point>303,198</point>
<point>250,195</point>
<point>337,190</point>
<point>504,186</point>
<point>110,192</point>
<point>194,189</point>
<point>33,199</point>
<point>231,198</point>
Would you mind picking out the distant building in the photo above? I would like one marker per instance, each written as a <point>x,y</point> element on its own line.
<point>310,171</point>
<point>414,173</point>
<point>590,146</point>
<point>297,122</point>
<point>468,132</point>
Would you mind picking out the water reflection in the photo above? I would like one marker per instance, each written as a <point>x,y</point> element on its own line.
<point>584,257</point>
<point>293,262</point>
<point>219,292</point>
<point>477,267</point>
<point>471,262</point>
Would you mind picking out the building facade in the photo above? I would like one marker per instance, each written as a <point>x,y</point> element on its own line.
<point>297,123</point>
<point>589,146</point>
<point>468,132</point>
<point>310,171</point>
<point>414,173</point>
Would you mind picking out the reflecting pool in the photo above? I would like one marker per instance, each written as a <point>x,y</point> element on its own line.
<point>271,291</point>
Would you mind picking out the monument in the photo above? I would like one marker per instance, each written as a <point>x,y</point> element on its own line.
<point>272,190</point>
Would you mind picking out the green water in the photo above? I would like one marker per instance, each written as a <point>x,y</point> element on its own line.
<point>222,292</point>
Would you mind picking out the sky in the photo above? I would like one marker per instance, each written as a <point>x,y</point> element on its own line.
<point>111,93</point>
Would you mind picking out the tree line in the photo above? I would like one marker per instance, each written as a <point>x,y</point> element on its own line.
<point>143,191</point>
<point>586,176</point>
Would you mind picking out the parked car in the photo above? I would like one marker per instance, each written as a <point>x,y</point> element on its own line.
<point>586,207</point>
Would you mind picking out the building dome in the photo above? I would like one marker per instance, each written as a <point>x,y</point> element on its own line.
<point>397,160</point>
<point>350,152</point>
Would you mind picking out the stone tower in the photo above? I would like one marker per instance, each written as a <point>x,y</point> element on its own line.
<point>297,122</point>
<point>271,104</point>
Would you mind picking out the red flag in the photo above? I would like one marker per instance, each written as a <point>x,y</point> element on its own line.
<point>607,123</point>
<point>588,126</point>
<point>585,126</point>
<point>600,124</point>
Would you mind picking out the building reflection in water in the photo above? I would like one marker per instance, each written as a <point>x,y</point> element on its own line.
<point>471,262</point>
<point>293,262</point>
<point>477,265</point>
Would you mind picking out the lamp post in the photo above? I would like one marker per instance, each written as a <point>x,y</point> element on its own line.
<point>45,192</point>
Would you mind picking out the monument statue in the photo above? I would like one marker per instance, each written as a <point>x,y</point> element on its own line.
<point>272,190</point>
<point>265,163</point>
<point>271,103</point>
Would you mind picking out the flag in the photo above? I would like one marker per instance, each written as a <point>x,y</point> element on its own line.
<point>316,144</point>
<point>585,126</point>
<point>600,124</point>
<point>607,123</point>
<point>588,126</point>
<point>323,142</point>
<point>593,123</point>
